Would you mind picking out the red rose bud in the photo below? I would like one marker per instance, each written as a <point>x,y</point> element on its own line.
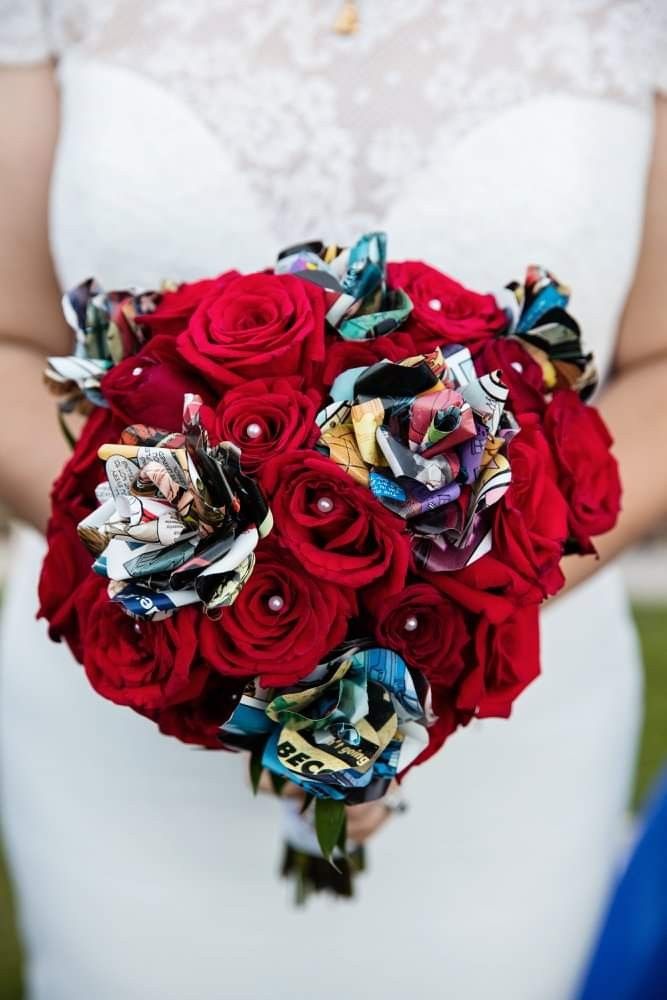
<point>256,323</point>
<point>267,417</point>
<point>506,660</point>
<point>426,628</point>
<point>175,308</point>
<point>530,522</point>
<point>282,623</point>
<point>335,528</point>
<point>149,387</point>
<point>444,312</point>
<point>199,721</point>
<point>588,474</point>
<point>145,665</point>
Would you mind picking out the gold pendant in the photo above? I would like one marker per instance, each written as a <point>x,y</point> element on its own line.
<point>347,22</point>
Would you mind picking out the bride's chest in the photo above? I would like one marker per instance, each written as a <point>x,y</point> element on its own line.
<point>481,136</point>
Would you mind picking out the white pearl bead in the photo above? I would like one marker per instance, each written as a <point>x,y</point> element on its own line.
<point>137,371</point>
<point>435,305</point>
<point>276,603</point>
<point>411,623</point>
<point>253,431</point>
<point>517,366</point>
<point>137,627</point>
<point>325,505</point>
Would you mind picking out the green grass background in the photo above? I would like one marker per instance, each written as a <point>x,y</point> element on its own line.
<point>652,622</point>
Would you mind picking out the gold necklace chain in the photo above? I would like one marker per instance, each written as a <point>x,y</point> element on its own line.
<point>347,21</point>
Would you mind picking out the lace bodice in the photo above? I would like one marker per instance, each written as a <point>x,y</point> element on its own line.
<point>328,127</point>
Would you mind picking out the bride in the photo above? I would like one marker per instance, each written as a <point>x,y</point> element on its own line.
<point>150,140</point>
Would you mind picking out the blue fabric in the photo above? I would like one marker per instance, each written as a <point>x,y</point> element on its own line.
<point>630,962</point>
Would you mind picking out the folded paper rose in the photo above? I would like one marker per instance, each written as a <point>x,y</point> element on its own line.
<point>314,510</point>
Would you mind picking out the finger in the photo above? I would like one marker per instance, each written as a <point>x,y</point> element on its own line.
<point>288,791</point>
<point>364,821</point>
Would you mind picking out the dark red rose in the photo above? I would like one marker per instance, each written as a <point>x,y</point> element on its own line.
<point>282,623</point>
<point>520,373</point>
<point>344,354</point>
<point>198,721</point>
<point>66,566</point>
<point>75,486</point>
<point>335,528</point>
<point>148,667</point>
<point>506,660</point>
<point>175,309</point>
<point>256,323</point>
<point>445,312</point>
<point>426,628</point>
<point>485,587</point>
<point>279,412</point>
<point>149,387</point>
<point>588,474</point>
<point>530,521</point>
<point>67,563</point>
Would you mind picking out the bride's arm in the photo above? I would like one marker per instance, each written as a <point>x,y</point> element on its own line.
<point>634,403</point>
<point>31,324</point>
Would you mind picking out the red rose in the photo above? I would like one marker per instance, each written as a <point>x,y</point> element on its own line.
<point>279,413</point>
<point>257,323</point>
<point>530,521</point>
<point>485,587</point>
<point>588,474</point>
<point>281,625</point>
<point>198,721</point>
<point>146,665</point>
<point>67,563</point>
<point>148,387</point>
<point>344,354</point>
<point>66,566</point>
<point>428,630</point>
<point>520,373</point>
<point>506,660</point>
<point>335,528</point>
<point>445,312</point>
<point>75,486</point>
<point>175,308</point>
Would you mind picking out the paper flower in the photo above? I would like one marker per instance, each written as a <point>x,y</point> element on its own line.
<point>428,437</point>
<point>178,520</point>
<point>345,731</point>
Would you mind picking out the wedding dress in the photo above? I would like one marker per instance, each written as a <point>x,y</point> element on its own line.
<point>203,135</point>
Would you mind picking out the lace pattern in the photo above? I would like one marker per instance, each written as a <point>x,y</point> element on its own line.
<point>330,128</point>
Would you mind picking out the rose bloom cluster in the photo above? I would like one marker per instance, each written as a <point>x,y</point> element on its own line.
<point>338,565</point>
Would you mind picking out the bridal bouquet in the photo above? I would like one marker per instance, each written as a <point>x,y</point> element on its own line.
<point>314,511</point>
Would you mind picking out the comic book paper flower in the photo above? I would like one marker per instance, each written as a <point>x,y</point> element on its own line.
<point>345,731</point>
<point>360,306</point>
<point>106,331</point>
<point>428,437</point>
<point>178,520</point>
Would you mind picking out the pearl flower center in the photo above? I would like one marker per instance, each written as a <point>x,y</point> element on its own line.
<point>253,431</point>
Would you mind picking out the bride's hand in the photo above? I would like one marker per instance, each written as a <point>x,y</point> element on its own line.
<point>365,820</point>
<point>362,821</point>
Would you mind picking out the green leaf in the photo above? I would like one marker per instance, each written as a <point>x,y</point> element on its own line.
<point>277,782</point>
<point>255,769</point>
<point>329,821</point>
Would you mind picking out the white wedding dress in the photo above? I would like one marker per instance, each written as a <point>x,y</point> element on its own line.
<point>203,135</point>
